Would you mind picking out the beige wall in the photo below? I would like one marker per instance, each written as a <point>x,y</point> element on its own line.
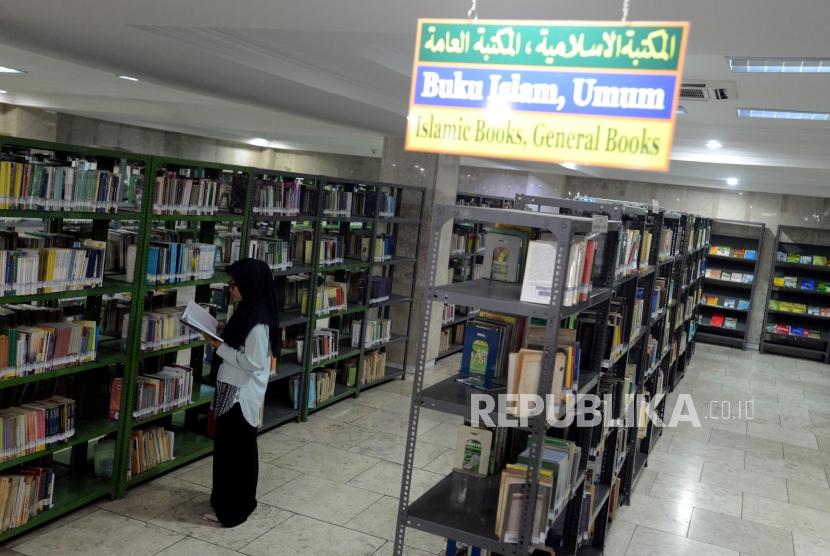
<point>508,183</point>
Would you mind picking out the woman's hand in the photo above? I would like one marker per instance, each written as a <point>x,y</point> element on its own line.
<point>214,343</point>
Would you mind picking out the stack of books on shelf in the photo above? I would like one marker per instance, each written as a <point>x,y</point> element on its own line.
<point>782,329</point>
<point>332,251</point>
<point>179,193</point>
<point>149,447</point>
<point>274,252</point>
<point>296,287</point>
<point>449,314</point>
<point>162,329</point>
<point>616,327</point>
<point>323,382</point>
<point>330,298</point>
<point>28,271</point>
<point>805,284</point>
<point>79,187</point>
<point>374,367</point>
<point>377,332</point>
<point>337,202</point>
<point>301,245</point>
<point>171,263</point>
<point>562,459</point>
<point>280,196</point>
<point>119,241</point>
<point>24,494</point>
<point>525,367</point>
<point>228,248</point>
<point>637,313</point>
<point>466,242</point>
<point>385,204</point>
<point>628,248</point>
<point>797,258</point>
<point>33,427</point>
<point>666,244</point>
<point>728,276</point>
<point>489,340</point>
<point>726,302</point>
<point>380,289</point>
<point>541,257</point>
<point>509,509</point>
<point>733,252</point>
<point>324,344</point>
<point>658,295</point>
<point>798,308</point>
<point>166,390</point>
<point>360,244</point>
<point>31,350</point>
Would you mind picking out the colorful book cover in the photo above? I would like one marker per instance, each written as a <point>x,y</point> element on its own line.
<point>813,310</point>
<point>730,323</point>
<point>717,320</point>
<point>748,278</point>
<point>790,282</point>
<point>797,331</point>
<point>808,284</point>
<point>793,258</point>
<point>751,254</point>
<point>774,305</point>
<point>778,281</point>
<point>806,259</point>
<point>820,260</point>
<point>743,304</point>
<point>481,347</point>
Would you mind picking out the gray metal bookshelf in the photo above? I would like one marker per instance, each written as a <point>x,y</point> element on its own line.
<point>736,237</point>
<point>471,518</point>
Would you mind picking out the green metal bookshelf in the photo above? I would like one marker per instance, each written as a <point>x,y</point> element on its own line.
<point>231,228</point>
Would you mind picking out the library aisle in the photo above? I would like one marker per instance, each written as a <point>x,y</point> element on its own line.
<point>734,486</point>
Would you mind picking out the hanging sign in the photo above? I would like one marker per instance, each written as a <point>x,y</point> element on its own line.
<point>592,93</point>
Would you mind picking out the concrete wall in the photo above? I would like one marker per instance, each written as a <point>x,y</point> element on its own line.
<point>771,209</point>
<point>508,183</point>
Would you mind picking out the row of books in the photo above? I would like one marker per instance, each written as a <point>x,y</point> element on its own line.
<point>667,247</point>
<point>734,252</point>
<point>466,242</point>
<point>632,252</point>
<point>377,332</point>
<point>332,250</point>
<point>28,314</point>
<point>798,308</point>
<point>325,344</point>
<point>360,245</point>
<point>451,336</point>
<point>783,329</point>
<point>448,314</point>
<point>274,252</point>
<point>279,196</point>
<point>168,389</point>
<point>331,297</point>
<point>817,260</point>
<point>337,202</point>
<point>150,447</point>
<point>182,194</point>
<point>31,350</point>
<point>660,295</point>
<point>33,271</point>
<point>170,263</point>
<point>541,260</point>
<point>119,241</point>
<point>79,187</point>
<point>161,329</point>
<point>480,451</point>
<point>726,302</point>
<point>228,248</point>
<point>525,368</point>
<point>489,340</point>
<point>720,321</point>
<point>806,284</point>
<point>35,426</point>
<point>24,494</point>
<point>728,276</point>
<point>296,286</point>
<point>374,367</point>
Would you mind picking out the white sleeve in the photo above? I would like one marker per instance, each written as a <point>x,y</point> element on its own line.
<point>256,355</point>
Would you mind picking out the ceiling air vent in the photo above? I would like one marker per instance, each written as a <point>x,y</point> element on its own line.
<point>706,91</point>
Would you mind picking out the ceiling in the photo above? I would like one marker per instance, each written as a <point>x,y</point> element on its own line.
<point>334,76</point>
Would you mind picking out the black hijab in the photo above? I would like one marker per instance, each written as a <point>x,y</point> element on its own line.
<point>259,305</point>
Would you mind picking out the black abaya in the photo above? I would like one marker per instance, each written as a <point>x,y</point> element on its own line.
<point>235,468</point>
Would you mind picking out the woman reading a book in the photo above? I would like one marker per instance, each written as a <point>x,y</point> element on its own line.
<point>241,365</point>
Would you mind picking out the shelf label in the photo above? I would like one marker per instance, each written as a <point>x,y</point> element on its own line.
<point>599,224</point>
<point>601,93</point>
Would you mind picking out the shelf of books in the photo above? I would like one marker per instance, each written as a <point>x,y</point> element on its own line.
<point>565,481</point>
<point>67,215</point>
<point>363,259</point>
<point>729,282</point>
<point>466,259</point>
<point>196,217</point>
<point>798,299</point>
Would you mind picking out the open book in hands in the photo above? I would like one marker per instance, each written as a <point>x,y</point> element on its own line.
<point>196,317</point>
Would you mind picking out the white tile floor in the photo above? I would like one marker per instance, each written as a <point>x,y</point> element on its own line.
<point>329,486</point>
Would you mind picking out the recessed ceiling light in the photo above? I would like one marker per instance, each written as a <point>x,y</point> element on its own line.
<point>779,65</point>
<point>681,110</point>
<point>128,78</point>
<point>259,142</point>
<point>732,181</point>
<point>4,69</point>
<point>713,144</point>
<point>774,114</point>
